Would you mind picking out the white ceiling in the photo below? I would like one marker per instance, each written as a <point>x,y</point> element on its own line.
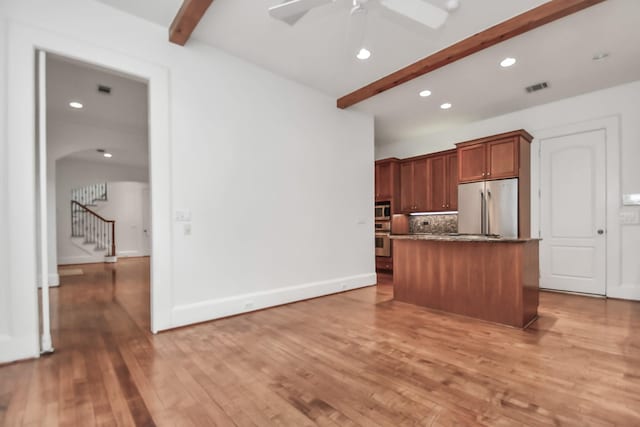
<point>160,12</point>
<point>127,157</point>
<point>315,53</point>
<point>124,110</point>
<point>316,50</point>
<point>559,53</point>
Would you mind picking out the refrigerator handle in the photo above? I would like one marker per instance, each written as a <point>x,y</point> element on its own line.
<point>488,213</point>
<point>482,212</point>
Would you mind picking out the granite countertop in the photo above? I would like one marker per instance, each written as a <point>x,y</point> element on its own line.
<point>454,237</point>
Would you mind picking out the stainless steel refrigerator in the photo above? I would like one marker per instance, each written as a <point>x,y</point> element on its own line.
<point>489,207</point>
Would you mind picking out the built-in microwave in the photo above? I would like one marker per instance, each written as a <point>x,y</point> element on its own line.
<point>382,211</point>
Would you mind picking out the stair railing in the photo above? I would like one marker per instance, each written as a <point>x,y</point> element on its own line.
<point>93,227</point>
<point>90,194</point>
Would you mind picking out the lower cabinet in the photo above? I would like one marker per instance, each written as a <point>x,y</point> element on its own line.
<point>384,263</point>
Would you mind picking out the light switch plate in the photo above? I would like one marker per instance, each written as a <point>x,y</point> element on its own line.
<point>630,217</point>
<point>631,199</point>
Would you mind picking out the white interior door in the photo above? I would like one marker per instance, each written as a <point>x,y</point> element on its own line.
<point>573,212</point>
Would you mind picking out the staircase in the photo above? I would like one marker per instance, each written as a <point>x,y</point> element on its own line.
<point>89,230</point>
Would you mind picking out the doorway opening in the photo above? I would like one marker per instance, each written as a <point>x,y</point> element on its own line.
<point>98,214</point>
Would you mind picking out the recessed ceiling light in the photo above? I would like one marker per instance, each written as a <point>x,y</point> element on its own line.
<point>363,54</point>
<point>507,62</point>
<point>76,105</point>
<point>446,106</point>
<point>425,93</point>
<point>108,155</point>
<point>600,56</point>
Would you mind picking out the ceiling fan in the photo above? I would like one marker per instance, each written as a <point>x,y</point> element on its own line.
<point>291,11</point>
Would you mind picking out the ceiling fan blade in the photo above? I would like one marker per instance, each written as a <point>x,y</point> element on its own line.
<point>418,10</point>
<point>292,10</point>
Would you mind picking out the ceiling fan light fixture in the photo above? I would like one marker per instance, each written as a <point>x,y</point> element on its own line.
<point>452,5</point>
<point>363,54</point>
<point>420,11</point>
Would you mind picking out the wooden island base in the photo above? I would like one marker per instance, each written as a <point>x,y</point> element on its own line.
<point>487,279</point>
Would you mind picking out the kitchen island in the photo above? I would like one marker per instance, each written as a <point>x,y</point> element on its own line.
<point>489,278</point>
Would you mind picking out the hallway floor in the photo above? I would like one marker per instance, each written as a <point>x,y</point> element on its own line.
<point>356,358</point>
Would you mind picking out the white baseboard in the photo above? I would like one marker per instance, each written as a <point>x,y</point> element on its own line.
<point>216,308</point>
<point>124,254</point>
<point>630,291</point>
<point>80,259</point>
<point>54,279</point>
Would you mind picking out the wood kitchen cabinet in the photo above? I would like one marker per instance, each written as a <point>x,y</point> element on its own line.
<point>384,263</point>
<point>443,182</point>
<point>452,181</point>
<point>494,157</point>
<point>413,185</point>
<point>387,180</point>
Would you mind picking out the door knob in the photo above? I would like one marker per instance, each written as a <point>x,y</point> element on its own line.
<point>601,231</point>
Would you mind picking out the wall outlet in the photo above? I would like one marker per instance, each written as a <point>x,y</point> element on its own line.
<point>425,222</point>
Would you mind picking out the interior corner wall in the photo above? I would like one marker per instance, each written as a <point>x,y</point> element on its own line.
<point>278,182</point>
<point>619,101</point>
<point>74,173</point>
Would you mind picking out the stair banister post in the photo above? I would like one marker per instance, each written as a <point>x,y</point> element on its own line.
<point>113,238</point>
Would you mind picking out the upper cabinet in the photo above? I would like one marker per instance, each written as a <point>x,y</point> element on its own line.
<point>443,182</point>
<point>495,157</point>
<point>472,162</point>
<point>387,182</point>
<point>452,181</point>
<point>413,186</point>
<point>384,184</point>
<point>429,183</point>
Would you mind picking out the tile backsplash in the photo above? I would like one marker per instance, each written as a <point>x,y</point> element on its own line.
<point>433,224</point>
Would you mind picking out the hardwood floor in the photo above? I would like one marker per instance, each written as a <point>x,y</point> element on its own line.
<point>356,358</point>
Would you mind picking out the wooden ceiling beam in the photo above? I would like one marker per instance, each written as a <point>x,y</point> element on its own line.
<point>187,19</point>
<point>527,21</point>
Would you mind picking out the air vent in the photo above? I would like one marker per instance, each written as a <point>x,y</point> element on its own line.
<point>104,89</point>
<point>538,86</point>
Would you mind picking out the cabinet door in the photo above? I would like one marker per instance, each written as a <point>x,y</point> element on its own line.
<point>383,181</point>
<point>502,158</point>
<point>420,179</point>
<point>377,182</point>
<point>406,187</point>
<point>452,182</point>
<point>472,163</point>
<point>437,194</point>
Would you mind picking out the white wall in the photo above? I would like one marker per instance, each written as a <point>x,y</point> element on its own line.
<point>124,206</point>
<point>4,241</point>
<point>621,101</point>
<point>278,181</point>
